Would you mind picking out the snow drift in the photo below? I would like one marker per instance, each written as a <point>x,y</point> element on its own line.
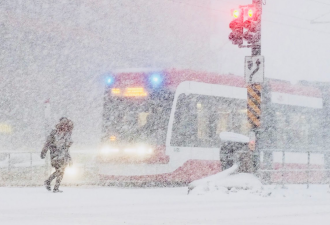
<point>224,181</point>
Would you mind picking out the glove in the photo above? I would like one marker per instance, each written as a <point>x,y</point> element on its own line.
<point>42,156</point>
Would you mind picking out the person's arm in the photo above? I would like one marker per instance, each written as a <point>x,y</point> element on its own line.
<point>47,144</point>
<point>70,142</point>
<point>69,159</point>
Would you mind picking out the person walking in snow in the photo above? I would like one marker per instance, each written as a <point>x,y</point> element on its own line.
<point>58,143</point>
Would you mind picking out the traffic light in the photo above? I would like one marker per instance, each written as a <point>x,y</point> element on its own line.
<point>236,36</point>
<point>252,25</point>
<point>246,25</point>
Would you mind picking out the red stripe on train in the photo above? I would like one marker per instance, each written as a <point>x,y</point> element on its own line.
<point>197,169</point>
<point>173,77</point>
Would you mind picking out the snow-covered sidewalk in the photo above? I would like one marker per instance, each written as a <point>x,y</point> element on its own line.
<point>105,205</point>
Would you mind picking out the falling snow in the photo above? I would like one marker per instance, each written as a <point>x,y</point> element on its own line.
<point>161,117</point>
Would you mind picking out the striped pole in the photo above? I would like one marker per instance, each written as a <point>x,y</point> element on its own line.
<point>254,105</point>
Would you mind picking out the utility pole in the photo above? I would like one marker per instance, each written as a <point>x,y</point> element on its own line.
<point>257,89</point>
<point>256,47</point>
<point>246,26</point>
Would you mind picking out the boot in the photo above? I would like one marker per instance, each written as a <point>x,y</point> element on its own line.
<point>57,191</point>
<point>47,185</point>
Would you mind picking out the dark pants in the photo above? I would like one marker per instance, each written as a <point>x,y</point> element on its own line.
<point>59,165</point>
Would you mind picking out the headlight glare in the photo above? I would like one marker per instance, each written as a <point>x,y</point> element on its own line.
<point>108,149</point>
<point>71,170</point>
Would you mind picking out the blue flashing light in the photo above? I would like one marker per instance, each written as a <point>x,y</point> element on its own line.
<point>110,80</point>
<point>156,79</point>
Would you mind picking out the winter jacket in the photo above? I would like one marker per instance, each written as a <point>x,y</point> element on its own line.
<point>58,144</point>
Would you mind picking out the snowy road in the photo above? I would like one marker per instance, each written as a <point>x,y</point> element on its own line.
<point>92,205</point>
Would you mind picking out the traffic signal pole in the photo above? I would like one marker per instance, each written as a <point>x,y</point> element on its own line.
<point>256,51</point>
<point>246,26</point>
<point>256,48</point>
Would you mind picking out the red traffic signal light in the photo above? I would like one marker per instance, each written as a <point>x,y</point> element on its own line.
<point>245,25</point>
<point>252,24</point>
<point>236,36</point>
<point>235,13</point>
<point>250,12</point>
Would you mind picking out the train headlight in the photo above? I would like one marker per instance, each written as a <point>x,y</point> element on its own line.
<point>71,170</point>
<point>130,150</point>
<point>141,151</point>
<point>107,150</point>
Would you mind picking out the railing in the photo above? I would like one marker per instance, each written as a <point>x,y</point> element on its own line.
<point>19,167</point>
<point>287,172</point>
<point>27,168</point>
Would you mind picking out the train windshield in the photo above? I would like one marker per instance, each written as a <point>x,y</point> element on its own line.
<point>138,120</point>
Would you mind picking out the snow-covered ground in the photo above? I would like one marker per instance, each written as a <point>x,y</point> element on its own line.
<point>106,205</point>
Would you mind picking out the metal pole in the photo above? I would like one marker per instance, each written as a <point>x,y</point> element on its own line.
<point>256,47</point>
<point>256,51</point>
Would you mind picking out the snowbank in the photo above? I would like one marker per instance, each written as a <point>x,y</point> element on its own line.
<point>225,181</point>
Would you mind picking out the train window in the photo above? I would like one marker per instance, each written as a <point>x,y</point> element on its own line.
<point>315,129</point>
<point>296,128</point>
<point>184,128</point>
<point>198,120</point>
<point>225,121</point>
<point>138,120</point>
<point>202,122</point>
